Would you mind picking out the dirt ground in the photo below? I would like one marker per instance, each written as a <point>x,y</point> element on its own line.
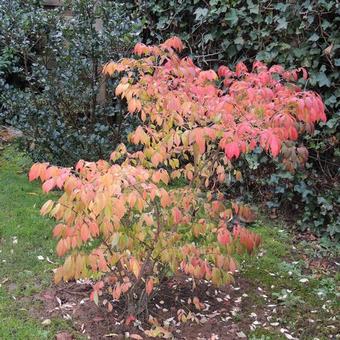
<point>211,318</point>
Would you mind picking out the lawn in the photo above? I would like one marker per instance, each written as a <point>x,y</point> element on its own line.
<point>291,286</point>
<point>26,247</point>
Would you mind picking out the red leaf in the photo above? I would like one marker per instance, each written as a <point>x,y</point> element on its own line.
<point>49,185</point>
<point>241,68</point>
<point>232,150</point>
<point>224,71</point>
<point>223,236</point>
<point>275,145</point>
<point>129,319</point>
<point>175,43</point>
<point>176,215</point>
<point>149,286</point>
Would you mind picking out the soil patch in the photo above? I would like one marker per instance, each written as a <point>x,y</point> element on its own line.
<point>217,315</point>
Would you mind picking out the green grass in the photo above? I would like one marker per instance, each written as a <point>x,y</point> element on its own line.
<point>24,235</point>
<point>277,269</point>
<point>309,308</point>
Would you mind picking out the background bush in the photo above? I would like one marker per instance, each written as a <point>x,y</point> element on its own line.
<point>50,77</point>
<point>294,34</point>
<point>62,120</point>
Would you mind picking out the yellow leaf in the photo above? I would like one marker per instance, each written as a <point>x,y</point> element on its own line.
<point>46,208</point>
<point>135,267</point>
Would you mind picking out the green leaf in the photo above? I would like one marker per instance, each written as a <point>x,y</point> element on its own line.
<point>323,80</point>
<point>208,37</point>
<point>201,13</point>
<point>282,24</point>
<point>239,41</point>
<point>314,37</point>
<point>232,17</point>
<point>253,9</point>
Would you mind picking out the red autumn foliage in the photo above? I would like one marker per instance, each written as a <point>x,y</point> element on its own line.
<point>195,122</point>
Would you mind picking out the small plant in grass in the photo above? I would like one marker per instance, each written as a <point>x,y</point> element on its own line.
<point>122,225</point>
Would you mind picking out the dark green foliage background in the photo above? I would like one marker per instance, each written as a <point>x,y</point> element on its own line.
<point>291,33</point>
<point>50,77</point>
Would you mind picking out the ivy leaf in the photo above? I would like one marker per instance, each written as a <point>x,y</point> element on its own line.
<point>282,24</point>
<point>201,13</point>
<point>314,37</point>
<point>232,17</point>
<point>323,80</point>
<point>281,7</point>
<point>253,9</point>
<point>208,37</point>
<point>239,41</point>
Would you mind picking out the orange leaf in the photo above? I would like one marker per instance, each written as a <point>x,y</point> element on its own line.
<point>84,232</point>
<point>61,248</point>
<point>199,139</point>
<point>149,286</point>
<point>58,229</point>
<point>156,159</point>
<point>175,43</point>
<point>117,292</point>
<point>165,199</point>
<point>197,303</point>
<point>148,220</point>
<point>34,172</point>
<point>93,227</point>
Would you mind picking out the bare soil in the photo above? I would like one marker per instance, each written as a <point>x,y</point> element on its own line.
<point>214,319</point>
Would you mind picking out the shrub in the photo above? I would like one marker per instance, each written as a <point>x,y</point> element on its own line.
<point>52,86</point>
<point>121,223</point>
<point>293,34</point>
<point>144,232</point>
<point>307,197</point>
